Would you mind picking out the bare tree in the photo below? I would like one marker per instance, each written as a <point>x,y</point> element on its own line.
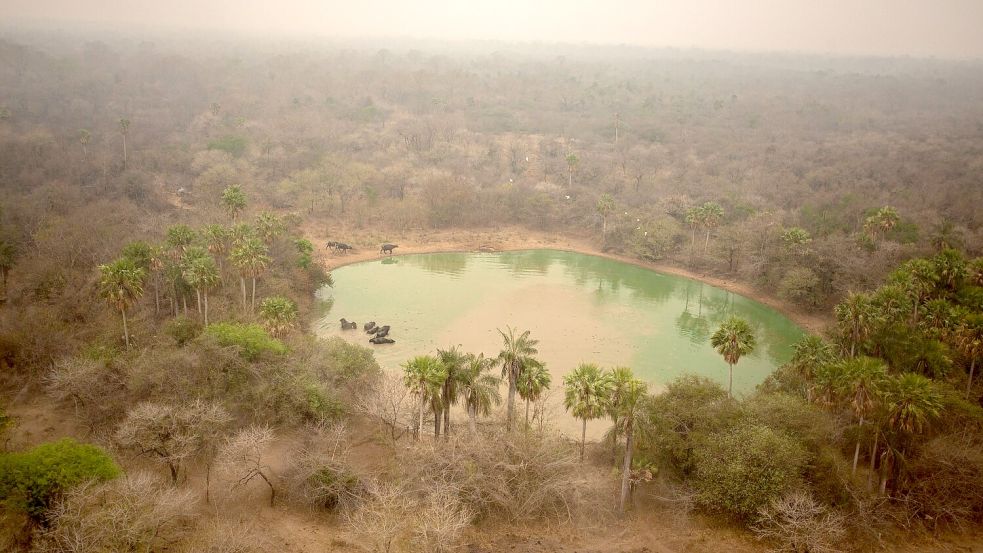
<point>134,513</point>
<point>242,458</point>
<point>797,522</point>
<point>389,402</point>
<point>383,521</point>
<point>171,433</point>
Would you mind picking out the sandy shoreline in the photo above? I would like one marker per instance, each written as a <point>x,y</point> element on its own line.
<point>508,239</point>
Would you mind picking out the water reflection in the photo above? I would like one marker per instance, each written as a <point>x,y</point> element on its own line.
<point>452,264</point>
<point>527,262</point>
<point>390,261</point>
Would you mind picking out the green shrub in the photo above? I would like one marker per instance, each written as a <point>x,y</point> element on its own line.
<point>183,329</point>
<point>740,470</point>
<point>31,480</point>
<point>233,145</point>
<point>251,339</point>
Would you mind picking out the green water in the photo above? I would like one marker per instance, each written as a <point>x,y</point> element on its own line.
<point>580,308</point>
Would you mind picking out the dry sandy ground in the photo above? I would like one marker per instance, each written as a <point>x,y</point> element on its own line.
<point>367,244</point>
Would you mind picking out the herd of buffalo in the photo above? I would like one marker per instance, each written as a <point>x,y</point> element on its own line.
<point>380,334</point>
<point>345,248</point>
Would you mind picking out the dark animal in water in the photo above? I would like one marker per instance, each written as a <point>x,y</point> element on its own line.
<point>382,340</point>
<point>343,247</point>
<point>346,325</point>
<point>380,330</point>
<point>388,248</point>
<point>331,245</point>
<point>369,326</point>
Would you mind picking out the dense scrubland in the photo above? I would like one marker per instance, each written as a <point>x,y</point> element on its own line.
<point>158,278</point>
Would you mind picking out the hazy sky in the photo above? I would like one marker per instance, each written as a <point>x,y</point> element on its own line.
<point>944,28</point>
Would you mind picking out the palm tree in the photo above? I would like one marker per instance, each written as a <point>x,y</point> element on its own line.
<point>179,238</point>
<point>251,258</point>
<point>216,239</point>
<point>516,355</point>
<point>969,340</point>
<point>121,284</point>
<point>586,394</point>
<point>234,200</point>
<point>269,226</point>
<point>628,407</point>
<point>733,340</point>
<point>238,234</point>
<point>124,129</point>
<point>280,314</point>
<point>974,271</point>
<point>855,317</point>
<point>913,402</point>
<point>572,161</point>
<point>424,375</point>
<point>157,261</point>
<point>84,138</point>
<point>881,222</point>
<point>693,220</point>
<point>190,269</point>
<point>710,215</point>
<point>621,378</point>
<point>950,267</point>
<point>7,258</point>
<point>918,279</point>
<point>480,389</point>
<point>809,355</point>
<point>945,235</point>
<point>605,205</point>
<point>201,272</point>
<point>532,383</point>
<point>453,360</point>
<point>863,381</point>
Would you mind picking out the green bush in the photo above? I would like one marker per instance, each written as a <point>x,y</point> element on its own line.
<point>740,470</point>
<point>251,339</point>
<point>183,329</point>
<point>234,145</point>
<point>31,480</point>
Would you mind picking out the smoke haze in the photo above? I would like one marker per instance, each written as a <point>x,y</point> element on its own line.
<point>940,28</point>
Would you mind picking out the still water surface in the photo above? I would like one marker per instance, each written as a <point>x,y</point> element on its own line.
<point>580,308</point>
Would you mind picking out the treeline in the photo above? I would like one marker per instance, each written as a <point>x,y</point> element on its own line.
<point>620,150</point>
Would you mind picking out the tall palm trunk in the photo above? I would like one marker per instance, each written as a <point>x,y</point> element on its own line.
<point>511,406</point>
<point>730,385</point>
<point>198,295</point>
<point>614,441</point>
<point>583,440</point>
<point>126,330</point>
<point>626,468</point>
<point>969,383</point>
<point>419,426</point>
<point>856,451</point>
<point>252,302</point>
<point>706,245</point>
<point>242,284</point>
<point>436,423</point>
<point>206,307</point>
<point>447,421</point>
<point>873,458</point>
<point>472,419</point>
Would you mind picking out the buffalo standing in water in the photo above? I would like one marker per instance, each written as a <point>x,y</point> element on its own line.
<point>388,248</point>
<point>346,325</point>
<point>381,331</point>
<point>382,340</point>
<point>369,326</point>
